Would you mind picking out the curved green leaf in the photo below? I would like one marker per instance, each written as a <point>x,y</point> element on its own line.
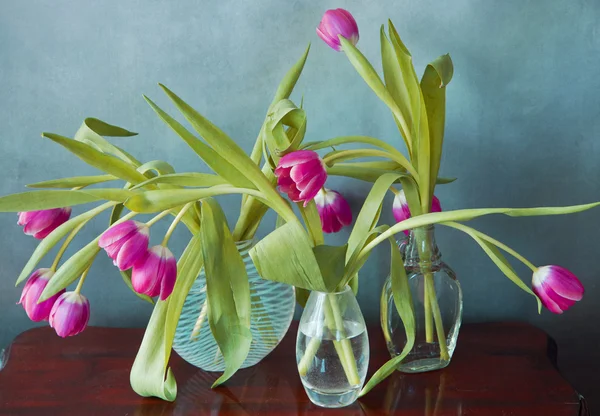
<point>227,289</point>
<point>159,166</point>
<point>91,132</point>
<point>97,159</point>
<point>220,165</point>
<point>38,200</point>
<point>191,179</point>
<point>73,182</point>
<point>150,375</point>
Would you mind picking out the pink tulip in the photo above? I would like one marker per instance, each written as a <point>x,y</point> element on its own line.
<point>337,22</point>
<point>70,314</point>
<point>557,288</point>
<point>32,291</point>
<point>156,273</point>
<point>402,212</point>
<point>41,223</point>
<point>333,209</point>
<point>301,174</point>
<point>126,243</point>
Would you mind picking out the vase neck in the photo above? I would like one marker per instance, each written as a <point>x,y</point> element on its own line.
<point>422,250</point>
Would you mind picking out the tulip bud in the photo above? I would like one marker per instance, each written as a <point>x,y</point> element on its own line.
<point>402,212</point>
<point>126,243</point>
<point>41,223</point>
<point>70,314</point>
<point>333,209</point>
<point>32,291</point>
<point>557,288</point>
<point>156,273</point>
<point>301,174</point>
<point>337,22</point>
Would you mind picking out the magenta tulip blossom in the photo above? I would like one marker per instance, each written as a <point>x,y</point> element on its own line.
<point>126,243</point>
<point>301,174</point>
<point>402,212</point>
<point>333,209</point>
<point>337,22</point>
<point>557,288</point>
<point>156,273</point>
<point>41,223</point>
<point>32,291</point>
<point>70,314</point>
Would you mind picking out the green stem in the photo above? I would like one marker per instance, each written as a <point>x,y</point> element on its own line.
<point>82,279</point>
<point>68,240</point>
<point>175,222</point>
<point>495,242</point>
<point>157,218</point>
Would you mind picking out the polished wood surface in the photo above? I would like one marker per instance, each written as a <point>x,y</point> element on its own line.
<point>497,369</point>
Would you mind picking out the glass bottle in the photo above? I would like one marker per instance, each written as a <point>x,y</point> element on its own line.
<point>437,299</point>
<point>272,308</point>
<point>332,348</point>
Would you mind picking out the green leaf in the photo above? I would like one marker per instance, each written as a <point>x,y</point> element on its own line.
<point>337,141</point>
<point>312,220</point>
<point>161,200</point>
<point>191,179</point>
<point>285,255</point>
<point>331,260</point>
<point>218,164</point>
<point>150,375</point>
<point>404,307</point>
<point>106,163</point>
<point>370,76</point>
<point>71,269</point>
<point>227,289</point>
<point>91,132</point>
<point>39,200</point>
<point>73,182</point>
<point>54,237</point>
<point>159,166</point>
<point>433,84</point>
<point>497,257</point>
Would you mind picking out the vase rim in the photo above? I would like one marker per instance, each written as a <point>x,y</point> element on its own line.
<point>341,292</point>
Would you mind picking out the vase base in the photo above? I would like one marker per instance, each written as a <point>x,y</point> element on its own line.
<point>332,400</point>
<point>423,365</point>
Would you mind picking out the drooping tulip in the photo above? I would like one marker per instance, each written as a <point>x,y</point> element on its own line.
<point>333,209</point>
<point>337,22</point>
<point>70,314</point>
<point>32,291</point>
<point>126,243</point>
<point>156,273</point>
<point>41,223</point>
<point>557,288</point>
<point>301,174</point>
<point>402,212</point>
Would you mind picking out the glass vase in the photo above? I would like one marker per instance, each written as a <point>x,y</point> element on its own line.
<point>272,309</point>
<point>437,299</point>
<point>332,348</point>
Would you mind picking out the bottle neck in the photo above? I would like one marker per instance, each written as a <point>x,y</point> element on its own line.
<point>422,251</point>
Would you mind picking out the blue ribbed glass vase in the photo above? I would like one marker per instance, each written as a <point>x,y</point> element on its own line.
<point>272,311</point>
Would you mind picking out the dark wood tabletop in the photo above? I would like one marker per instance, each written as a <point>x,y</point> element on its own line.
<point>497,369</point>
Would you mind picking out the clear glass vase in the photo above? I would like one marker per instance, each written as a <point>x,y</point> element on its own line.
<point>437,299</point>
<point>332,348</point>
<point>272,306</point>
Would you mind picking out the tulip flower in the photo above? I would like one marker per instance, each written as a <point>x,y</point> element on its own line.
<point>31,294</point>
<point>301,175</point>
<point>156,273</point>
<point>41,223</point>
<point>333,209</point>
<point>126,243</point>
<point>557,288</point>
<point>70,314</point>
<point>337,22</point>
<point>402,212</point>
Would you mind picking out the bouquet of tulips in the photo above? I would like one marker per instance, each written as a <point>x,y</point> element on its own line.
<point>295,252</point>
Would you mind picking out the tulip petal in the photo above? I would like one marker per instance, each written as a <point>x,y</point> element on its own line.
<point>313,187</point>
<point>132,251</point>
<point>169,277</point>
<point>297,157</point>
<point>565,284</point>
<point>303,173</point>
<point>117,232</point>
<point>145,277</point>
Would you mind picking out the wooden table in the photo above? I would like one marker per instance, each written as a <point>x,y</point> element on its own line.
<point>498,369</point>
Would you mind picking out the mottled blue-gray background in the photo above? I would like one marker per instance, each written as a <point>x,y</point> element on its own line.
<point>523,124</point>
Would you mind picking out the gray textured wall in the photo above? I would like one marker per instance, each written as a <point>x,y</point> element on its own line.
<point>522,124</point>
